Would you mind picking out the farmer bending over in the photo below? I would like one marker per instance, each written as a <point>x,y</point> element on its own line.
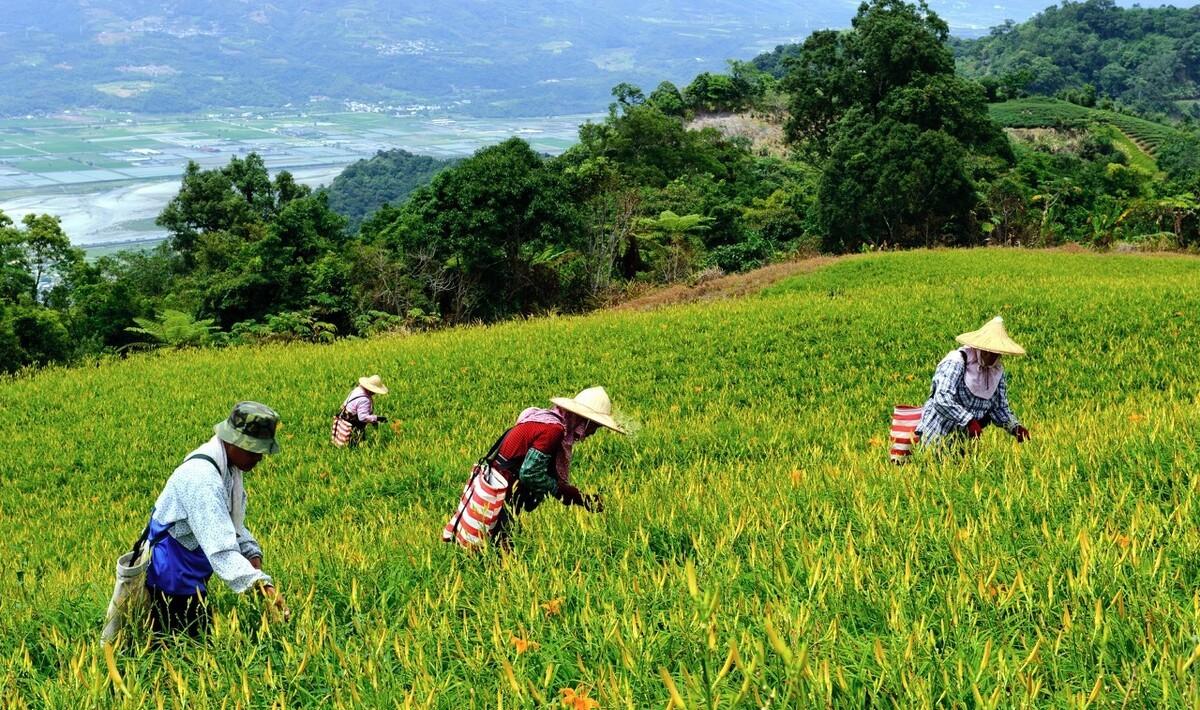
<point>358,410</point>
<point>970,388</point>
<point>198,524</point>
<point>534,457</point>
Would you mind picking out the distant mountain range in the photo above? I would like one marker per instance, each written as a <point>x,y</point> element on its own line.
<point>486,57</point>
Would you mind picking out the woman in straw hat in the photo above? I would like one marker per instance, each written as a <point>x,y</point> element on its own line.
<point>534,457</point>
<point>970,388</point>
<point>358,410</point>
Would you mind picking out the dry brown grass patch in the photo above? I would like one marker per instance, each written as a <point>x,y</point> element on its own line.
<point>730,286</point>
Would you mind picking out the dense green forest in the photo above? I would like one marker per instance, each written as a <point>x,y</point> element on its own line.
<point>1146,58</point>
<point>887,146</point>
<point>386,178</point>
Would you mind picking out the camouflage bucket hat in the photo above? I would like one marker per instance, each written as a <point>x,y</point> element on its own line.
<point>251,427</point>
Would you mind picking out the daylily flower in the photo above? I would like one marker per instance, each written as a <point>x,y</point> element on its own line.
<point>577,700</point>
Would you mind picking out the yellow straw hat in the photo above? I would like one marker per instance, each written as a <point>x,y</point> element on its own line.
<point>373,384</point>
<point>992,338</point>
<point>592,403</point>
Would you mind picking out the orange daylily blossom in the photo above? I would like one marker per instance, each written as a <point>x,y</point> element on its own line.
<point>552,607</point>
<point>523,645</point>
<point>576,699</point>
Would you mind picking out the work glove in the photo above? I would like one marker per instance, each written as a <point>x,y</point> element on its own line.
<point>974,429</point>
<point>1021,433</point>
<point>593,503</point>
<point>381,420</point>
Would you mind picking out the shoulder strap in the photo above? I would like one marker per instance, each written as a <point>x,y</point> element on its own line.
<point>496,446</point>
<point>204,457</point>
<point>137,546</point>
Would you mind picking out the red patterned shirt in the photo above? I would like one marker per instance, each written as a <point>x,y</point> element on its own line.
<point>546,438</point>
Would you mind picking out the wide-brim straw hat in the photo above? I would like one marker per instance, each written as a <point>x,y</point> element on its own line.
<point>593,403</point>
<point>374,383</point>
<point>992,338</point>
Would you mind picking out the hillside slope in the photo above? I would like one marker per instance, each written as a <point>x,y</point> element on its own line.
<point>1043,112</point>
<point>752,522</point>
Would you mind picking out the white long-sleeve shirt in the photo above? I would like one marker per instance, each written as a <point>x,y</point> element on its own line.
<point>205,508</point>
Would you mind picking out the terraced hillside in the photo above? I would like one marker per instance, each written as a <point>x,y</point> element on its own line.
<point>1041,112</point>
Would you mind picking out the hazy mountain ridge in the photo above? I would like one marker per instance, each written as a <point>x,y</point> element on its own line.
<point>500,56</point>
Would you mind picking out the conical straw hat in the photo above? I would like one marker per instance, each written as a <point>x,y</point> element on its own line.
<point>592,403</point>
<point>992,338</point>
<point>374,383</point>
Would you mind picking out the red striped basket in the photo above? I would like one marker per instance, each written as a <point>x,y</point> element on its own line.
<point>904,426</point>
<point>478,509</point>
<point>340,432</point>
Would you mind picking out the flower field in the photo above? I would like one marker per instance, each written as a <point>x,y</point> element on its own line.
<point>757,548</point>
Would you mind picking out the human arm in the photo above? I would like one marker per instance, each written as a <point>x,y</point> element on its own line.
<point>249,546</point>
<point>1001,413</point>
<point>364,411</point>
<point>566,492</point>
<point>204,502</point>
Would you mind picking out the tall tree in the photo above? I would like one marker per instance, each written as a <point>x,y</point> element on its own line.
<point>483,225</point>
<point>233,198</point>
<point>16,280</point>
<point>48,250</point>
<point>881,110</point>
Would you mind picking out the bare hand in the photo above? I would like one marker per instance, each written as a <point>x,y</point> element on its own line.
<point>275,604</point>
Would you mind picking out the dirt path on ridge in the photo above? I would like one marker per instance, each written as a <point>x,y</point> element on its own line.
<point>730,286</point>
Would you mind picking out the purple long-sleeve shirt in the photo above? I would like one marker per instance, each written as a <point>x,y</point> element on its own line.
<point>359,403</point>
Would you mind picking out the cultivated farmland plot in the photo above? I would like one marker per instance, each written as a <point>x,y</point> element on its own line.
<point>757,549</point>
<point>1040,112</point>
<point>109,176</point>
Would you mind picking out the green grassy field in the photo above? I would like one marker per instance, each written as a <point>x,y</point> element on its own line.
<point>51,165</point>
<point>757,549</point>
